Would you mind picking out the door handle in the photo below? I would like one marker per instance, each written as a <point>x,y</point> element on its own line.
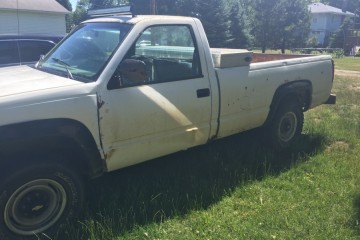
<point>205,92</point>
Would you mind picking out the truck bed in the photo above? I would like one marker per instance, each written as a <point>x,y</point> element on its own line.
<point>247,90</point>
<point>227,58</point>
<point>264,57</point>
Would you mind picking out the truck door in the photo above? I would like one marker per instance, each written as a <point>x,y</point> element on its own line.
<point>158,100</point>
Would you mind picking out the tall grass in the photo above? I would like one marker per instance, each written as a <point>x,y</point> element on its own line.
<point>237,189</point>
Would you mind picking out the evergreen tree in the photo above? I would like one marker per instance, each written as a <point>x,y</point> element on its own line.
<point>292,24</point>
<point>141,6</point>
<point>239,25</point>
<point>338,38</point>
<point>176,7</point>
<point>263,26</point>
<point>280,23</point>
<point>80,13</point>
<point>100,4</point>
<point>215,17</point>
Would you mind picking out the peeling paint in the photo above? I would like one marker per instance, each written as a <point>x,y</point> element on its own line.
<point>109,154</point>
<point>100,102</point>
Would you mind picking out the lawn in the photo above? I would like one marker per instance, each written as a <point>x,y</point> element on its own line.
<point>348,63</point>
<point>236,189</point>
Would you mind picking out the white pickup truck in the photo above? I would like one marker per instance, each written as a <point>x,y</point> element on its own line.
<point>121,90</point>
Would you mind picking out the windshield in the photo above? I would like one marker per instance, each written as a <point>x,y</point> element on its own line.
<point>84,53</point>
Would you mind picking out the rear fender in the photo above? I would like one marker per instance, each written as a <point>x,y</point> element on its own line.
<point>300,91</point>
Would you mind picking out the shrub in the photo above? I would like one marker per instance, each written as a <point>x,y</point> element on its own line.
<point>338,53</point>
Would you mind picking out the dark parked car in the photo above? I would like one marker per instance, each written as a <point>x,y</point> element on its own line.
<point>24,49</point>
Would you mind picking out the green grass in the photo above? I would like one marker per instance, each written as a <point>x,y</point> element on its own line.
<point>236,189</point>
<point>348,63</point>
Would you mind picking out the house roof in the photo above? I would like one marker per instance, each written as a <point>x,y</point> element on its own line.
<point>34,5</point>
<point>322,8</point>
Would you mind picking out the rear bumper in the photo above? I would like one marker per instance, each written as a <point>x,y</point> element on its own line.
<point>331,99</point>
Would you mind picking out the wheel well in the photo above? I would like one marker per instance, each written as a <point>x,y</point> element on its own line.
<point>24,142</point>
<point>300,91</point>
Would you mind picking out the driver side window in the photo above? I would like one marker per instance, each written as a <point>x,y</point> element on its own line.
<point>161,54</point>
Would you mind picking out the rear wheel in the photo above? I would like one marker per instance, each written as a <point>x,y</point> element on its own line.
<point>38,199</point>
<point>286,125</point>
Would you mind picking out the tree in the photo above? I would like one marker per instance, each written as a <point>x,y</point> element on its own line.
<point>215,16</point>
<point>99,4</point>
<point>176,7</point>
<point>263,22</point>
<point>292,23</point>
<point>141,6</point>
<point>80,12</point>
<point>337,40</point>
<point>280,23</point>
<point>240,25</point>
<point>225,21</point>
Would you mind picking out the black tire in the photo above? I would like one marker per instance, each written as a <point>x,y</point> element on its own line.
<point>286,126</point>
<point>38,199</point>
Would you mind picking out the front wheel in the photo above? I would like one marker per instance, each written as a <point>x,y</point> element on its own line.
<point>38,199</point>
<point>286,126</point>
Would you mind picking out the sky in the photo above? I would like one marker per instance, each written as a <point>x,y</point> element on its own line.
<point>73,4</point>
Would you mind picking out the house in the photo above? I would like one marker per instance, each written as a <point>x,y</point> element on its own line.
<point>32,17</point>
<point>325,20</point>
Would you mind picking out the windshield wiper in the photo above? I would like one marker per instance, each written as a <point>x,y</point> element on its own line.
<point>65,65</point>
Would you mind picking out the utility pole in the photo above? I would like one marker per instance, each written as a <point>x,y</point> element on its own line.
<point>153,7</point>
